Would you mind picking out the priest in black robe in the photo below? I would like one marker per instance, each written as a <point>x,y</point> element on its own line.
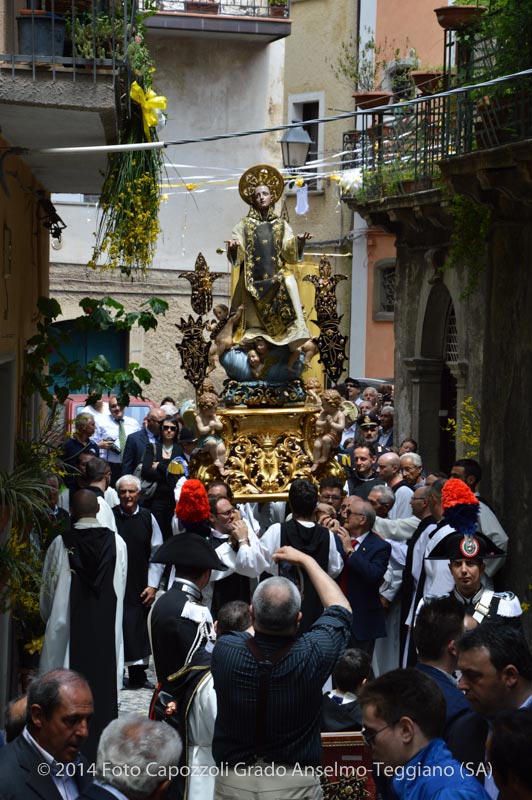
<point>140,531</point>
<point>82,594</point>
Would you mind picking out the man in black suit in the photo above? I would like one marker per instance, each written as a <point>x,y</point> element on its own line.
<point>43,762</point>
<point>136,443</point>
<point>152,749</point>
<point>366,558</point>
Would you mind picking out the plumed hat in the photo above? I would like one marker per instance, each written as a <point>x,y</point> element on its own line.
<point>457,546</point>
<point>188,550</point>
<point>460,506</point>
<point>193,503</point>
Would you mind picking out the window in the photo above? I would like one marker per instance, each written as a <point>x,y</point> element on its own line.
<point>384,290</point>
<point>302,108</point>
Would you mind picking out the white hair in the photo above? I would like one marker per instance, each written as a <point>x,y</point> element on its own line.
<point>131,478</point>
<point>276,603</point>
<point>389,409</point>
<point>416,459</point>
<point>135,741</point>
<point>387,495</point>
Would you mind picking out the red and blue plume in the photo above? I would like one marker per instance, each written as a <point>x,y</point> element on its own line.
<point>193,504</point>
<point>460,506</point>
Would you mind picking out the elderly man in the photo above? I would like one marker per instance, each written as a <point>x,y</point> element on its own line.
<point>82,595</point>
<point>40,762</point>
<point>388,470</point>
<point>136,760</point>
<point>386,423</point>
<point>142,535</point>
<point>80,442</point>
<point>366,559</point>
<point>136,443</point>
<point>269,687</point>
<point>115,428</point>
<point>412,470</point>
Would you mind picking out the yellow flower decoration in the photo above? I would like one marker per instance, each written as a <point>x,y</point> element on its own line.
<point>335,177</point>
<point>191,186</point>
<point>299,182</point>
<point>149,102</point>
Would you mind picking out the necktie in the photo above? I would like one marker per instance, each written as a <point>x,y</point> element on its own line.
<point>354,543</point>
<point>121,436</point>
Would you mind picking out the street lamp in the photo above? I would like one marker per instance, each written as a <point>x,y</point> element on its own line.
<point>295,144</point>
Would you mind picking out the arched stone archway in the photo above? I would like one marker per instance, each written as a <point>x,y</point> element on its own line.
<point>437,379</point>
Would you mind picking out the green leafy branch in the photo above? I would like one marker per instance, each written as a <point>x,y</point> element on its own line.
<point>55,381</point>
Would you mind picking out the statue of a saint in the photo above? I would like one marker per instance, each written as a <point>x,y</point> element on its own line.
<point>262,245</point>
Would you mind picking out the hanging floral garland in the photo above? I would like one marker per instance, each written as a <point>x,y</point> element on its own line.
<point>129,206</point>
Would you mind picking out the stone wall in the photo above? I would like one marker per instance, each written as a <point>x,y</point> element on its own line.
<point>154,350</point>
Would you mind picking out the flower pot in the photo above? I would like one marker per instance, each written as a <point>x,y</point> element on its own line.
<point>40,34</point>
<point>427,82</point>
<point>277,9</point>
<point>368,100</point>
<point>454,18</point>
<point>200,7</point>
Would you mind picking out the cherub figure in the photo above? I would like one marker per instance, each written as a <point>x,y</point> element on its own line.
<point>222,332</point>
<point>329,426</point>
<point>206,423</point>
<point>255,364</point>
<point>309,348</point>
<point>314,390</point>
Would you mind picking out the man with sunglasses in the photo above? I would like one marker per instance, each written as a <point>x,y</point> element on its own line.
<point>404,715</point>
<point>136,443</point>
<point>366,558</point>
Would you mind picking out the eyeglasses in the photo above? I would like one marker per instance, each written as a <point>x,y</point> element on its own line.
<point>153,419</point>
<point>226,513</point>
<point>369,735</point>
<point>346,512</point>
<point>169,428</point>
<point>114,405</point>
<point>331,496</point>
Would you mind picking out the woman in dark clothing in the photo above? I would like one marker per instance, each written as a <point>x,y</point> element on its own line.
<point>155,462</point>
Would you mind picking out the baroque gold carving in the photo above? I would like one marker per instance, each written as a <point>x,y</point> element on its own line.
<point>266,450</point>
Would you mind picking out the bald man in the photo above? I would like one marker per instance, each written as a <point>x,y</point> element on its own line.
<point>389,471</point>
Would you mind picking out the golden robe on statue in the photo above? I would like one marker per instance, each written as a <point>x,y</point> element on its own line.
<point>266,288</point>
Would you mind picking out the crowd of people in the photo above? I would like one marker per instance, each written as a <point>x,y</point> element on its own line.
<point>367,604</point>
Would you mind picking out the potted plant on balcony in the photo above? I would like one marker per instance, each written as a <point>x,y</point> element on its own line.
<point>202,6</point>
<point>457,17</point>
<point>40,33</point>
<point>361,66</point>
<point>98,38</point>
<point>277,8</point>
<point>428,81</point>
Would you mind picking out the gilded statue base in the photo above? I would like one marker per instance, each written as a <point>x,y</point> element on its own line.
<point>266,450</point>
<point>255,394</point>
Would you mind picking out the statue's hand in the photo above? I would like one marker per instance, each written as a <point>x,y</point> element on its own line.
<point>304,237</point>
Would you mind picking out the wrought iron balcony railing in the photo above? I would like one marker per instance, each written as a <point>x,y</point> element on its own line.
<point>247,8</point>
<point>397,149</point>
<point>76,36</point>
